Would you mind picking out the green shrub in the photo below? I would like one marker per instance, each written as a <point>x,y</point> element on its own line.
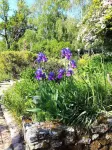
<point>4,75</point>
<point>53,65</point>
<point>50,47</point>
<point>13,62</point>
<point>28,74</point>
<point>97,63</point>
<point>2,46</point>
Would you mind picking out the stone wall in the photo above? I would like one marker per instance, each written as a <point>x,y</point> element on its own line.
<point>54,136</point>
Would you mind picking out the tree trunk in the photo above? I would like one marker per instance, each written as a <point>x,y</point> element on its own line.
<point>8,45</point>
<point>7,42</point>
<point>6,35</point>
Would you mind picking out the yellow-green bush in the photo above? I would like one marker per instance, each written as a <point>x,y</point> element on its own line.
<point>13,62</point>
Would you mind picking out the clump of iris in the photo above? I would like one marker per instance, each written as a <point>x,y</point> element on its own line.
<point>65,53</point>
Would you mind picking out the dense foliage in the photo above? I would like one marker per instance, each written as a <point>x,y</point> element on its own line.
<point>46,26</point>
<point>13,27</point>
<point>96,27</point>
<point>73,98</point>
<point>51,25</point>
<point>54,86</point>
<point>13,62</point>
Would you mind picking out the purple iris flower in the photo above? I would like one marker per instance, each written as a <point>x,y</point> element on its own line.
<point>43,76</point>
<point>41,57</point>
<point>39,74</point>
<point>63,52</point>
<point>69,72</point>
<point>61,73</point>
<point>66,53</point>
<point>51,76</point>
<point>73,64</point>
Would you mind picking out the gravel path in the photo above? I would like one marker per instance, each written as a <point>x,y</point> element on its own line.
<point>10,138</point>
<point>5,139</point>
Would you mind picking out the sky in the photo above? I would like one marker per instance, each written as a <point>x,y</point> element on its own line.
<point>13,6</point>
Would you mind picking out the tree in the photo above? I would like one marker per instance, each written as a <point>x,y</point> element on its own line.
<point>51,21</point>
<point>55,26</point>
<point>14,27</point>
<point>4,24</point>
<point>95,31</point>
<point>19,21</point>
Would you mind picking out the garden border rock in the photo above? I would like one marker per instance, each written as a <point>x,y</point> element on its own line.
<point>39,136</point>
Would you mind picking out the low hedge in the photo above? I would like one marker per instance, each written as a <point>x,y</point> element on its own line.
<point>13,62</point>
